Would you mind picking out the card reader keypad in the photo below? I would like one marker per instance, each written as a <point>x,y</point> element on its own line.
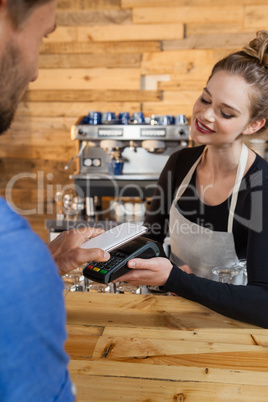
<point>104,267</point>
<point>116,266</point>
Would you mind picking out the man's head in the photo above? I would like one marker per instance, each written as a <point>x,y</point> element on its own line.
<point>23,25</point>
<point>20,9</point>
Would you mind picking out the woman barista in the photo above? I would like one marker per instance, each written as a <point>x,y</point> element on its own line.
<point>220,210</point>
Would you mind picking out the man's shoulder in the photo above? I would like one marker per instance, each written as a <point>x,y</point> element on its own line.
<point>21,247</point>
<point>10,220</point>
<point>32,315</point>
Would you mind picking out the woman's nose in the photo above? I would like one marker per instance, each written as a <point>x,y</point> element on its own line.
<point>209,115</point>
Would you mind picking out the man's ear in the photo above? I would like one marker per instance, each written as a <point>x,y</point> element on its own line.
<point>254,126</point>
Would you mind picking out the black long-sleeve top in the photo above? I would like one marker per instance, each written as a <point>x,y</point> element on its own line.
<point>250,229</point>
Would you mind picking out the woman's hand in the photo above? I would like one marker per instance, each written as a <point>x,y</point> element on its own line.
<point>153,271</point>
<point>67,252</point>
<point>186,269</point>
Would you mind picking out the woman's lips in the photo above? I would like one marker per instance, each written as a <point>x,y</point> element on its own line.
<point>202,127</point>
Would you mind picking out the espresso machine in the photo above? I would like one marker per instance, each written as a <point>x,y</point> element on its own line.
<point>117,158</point>
<point>115,170</point>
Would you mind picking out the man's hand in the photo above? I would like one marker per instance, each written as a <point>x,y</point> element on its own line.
<point>67,252</point>
<point>154,271</point>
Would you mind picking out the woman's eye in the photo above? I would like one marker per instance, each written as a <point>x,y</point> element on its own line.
<point>203,100</point>
<point>227,116</point>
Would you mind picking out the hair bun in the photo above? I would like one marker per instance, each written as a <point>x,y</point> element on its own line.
<point>258,47</point>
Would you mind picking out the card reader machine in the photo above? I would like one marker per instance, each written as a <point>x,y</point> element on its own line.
<point>116,266</point>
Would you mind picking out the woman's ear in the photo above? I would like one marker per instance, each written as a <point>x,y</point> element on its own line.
<point>254,126</point>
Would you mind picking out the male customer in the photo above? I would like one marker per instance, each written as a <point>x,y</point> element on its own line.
<point>33,363</point>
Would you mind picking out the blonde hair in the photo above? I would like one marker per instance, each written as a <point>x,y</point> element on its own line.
<point>251,63</point>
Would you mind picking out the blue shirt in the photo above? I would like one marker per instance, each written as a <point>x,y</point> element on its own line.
<point>33,363</point>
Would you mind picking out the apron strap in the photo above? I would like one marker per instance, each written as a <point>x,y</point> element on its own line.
<point>187,178</point>
<point>239,176</point>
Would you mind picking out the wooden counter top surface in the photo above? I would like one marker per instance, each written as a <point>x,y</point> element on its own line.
<point>162,348</point>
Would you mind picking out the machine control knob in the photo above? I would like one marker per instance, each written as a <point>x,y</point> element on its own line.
<point>96,162</point>
<point>87,162</point>
<point>181,131</point>
<point>81,132</point>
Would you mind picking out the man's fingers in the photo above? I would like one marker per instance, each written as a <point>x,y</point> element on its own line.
<point>93,232</point>
<point>94,254</point>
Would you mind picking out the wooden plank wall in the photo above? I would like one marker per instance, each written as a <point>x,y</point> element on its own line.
<point>113,55</point>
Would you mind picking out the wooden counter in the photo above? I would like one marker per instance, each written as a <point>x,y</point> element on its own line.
<point>162,348</point>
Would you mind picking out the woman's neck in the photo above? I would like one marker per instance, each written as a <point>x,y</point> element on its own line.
<point>221,160</point>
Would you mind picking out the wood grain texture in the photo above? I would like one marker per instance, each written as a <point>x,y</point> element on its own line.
<point>192,80</point>
<point>95,17</point>
<point>181,97</point>
<point>105,48</point>
<point>163,108</point>
<point>110,33</point>
<point>50,152</point>
<point>88,4</point>
<point>153,390</point>
<point>190,14</point>
<point>131,60</point>
<point>158,348</point>
<point>256,17</point>
<point>232,41</point>
<point>74,110</point>
<point>92,96</point>
<point>211,28</point>
<point>92,78</point>
<point>180,61</point>
<point>180,3</point>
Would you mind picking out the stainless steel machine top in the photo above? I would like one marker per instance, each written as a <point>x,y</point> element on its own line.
<point>137,150</point>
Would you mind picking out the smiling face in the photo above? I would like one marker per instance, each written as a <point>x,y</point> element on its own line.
<point>19,57</point>
<point>222,113</point>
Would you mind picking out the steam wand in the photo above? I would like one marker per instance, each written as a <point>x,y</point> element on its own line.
<point>84,144</point>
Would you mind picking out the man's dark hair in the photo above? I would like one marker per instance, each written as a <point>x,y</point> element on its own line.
<point>21,9</point>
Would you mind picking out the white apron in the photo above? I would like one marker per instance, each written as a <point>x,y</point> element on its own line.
<point>197,246</point>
